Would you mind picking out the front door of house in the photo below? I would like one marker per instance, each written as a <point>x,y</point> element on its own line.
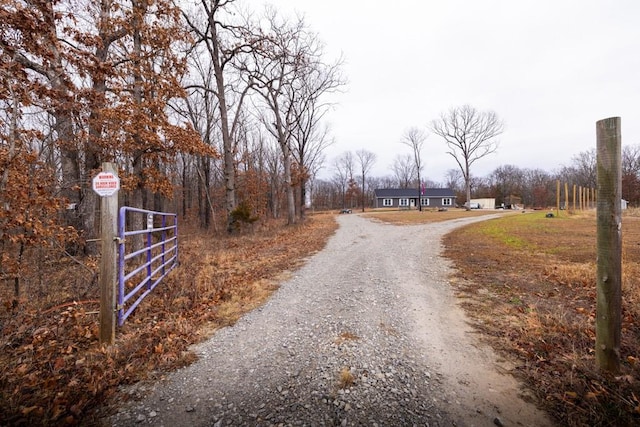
<point>412,203</point>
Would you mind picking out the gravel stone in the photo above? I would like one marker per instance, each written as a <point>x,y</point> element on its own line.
<point>352,338</point>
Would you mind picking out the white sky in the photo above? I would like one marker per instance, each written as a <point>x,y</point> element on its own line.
<point>549,68</point>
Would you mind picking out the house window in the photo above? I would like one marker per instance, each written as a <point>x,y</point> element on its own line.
<point>424,201</point>
<point>387,202</point>
<point>446,201</point>
<point>403,202</point>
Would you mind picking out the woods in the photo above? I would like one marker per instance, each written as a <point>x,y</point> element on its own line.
<point>208,110</point>
<point>204,109</point>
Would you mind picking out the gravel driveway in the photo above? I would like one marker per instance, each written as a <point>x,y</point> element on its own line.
<point>366,333</point>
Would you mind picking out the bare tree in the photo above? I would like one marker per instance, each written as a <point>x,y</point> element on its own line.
<point>506,181</point>
<point>274,170</point>
<point>403,170</point>
<point>454,180</point>
<point>343,167</point>
<point>200,108</point>
<point>366,160</point>
<point>583,169</point>
<point>539,188</point>
<point>388,181</point>
<point>631,173</point>
<point>310,137</point>
<point>414,138</point>
<point>631,159</point>
<point>278,71</point>
<point>223,42</point>
<point>470,135</point>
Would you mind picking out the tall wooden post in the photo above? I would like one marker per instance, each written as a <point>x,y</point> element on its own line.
<point>557,197</point>
<point>108,259</point>
<point>566,196</point>
<point>574,198</point>
<point>609,245</point>
<point>580,197</point>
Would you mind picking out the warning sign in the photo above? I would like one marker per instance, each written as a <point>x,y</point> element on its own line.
<point>106,184</point>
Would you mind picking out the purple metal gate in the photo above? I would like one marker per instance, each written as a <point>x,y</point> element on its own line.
<point>140,271</point>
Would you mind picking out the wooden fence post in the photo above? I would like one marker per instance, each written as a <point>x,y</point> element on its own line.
<point>609,245</point>
<point>108,257</point>
<point>580,198</point>
<point>557,197</point>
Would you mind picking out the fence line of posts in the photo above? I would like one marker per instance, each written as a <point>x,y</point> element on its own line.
<point>583,198</point>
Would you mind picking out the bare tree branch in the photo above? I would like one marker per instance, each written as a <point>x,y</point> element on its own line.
<point>414,138</point>
<point>470,135</point>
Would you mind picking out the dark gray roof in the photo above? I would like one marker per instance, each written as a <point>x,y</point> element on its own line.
<point>413,192</point>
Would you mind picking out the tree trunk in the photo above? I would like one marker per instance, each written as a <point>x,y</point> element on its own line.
<point>227,138</point>
<point>419,192</point>
<point>88,206</point>
<point>205,206</point>
<point>467,179</point>
<point>201,188</point>
<point>185,191</point>
<point>303,198</point>
<point>70,169</point>
<point>362,196</point>
<point>138,200</point>
<point>291,202</point>
<point>139,195</point>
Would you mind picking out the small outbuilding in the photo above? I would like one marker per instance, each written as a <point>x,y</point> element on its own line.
<point>408,198</point>
<point>483,203</point>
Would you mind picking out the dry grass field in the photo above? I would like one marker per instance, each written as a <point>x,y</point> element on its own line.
<point>53,371</point>
<point>528,282</point>
<point>426,215</point>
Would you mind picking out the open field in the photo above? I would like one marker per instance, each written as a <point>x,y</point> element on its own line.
<point>528,283</point>
<point>426,215</point>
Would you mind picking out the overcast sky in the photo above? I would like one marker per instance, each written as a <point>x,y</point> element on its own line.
<point>549,68</point>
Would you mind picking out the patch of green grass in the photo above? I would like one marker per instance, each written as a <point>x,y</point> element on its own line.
<point>423,217</point>
<point>498,231</point>
<point>515,231</point>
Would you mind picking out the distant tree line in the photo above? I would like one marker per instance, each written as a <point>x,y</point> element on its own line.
<point>469,135</point>
<point>531,187</point>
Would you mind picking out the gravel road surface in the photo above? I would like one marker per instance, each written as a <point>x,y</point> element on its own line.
<point>366,333</point>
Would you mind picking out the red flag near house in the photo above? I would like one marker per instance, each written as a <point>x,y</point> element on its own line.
<point>422,192</point>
